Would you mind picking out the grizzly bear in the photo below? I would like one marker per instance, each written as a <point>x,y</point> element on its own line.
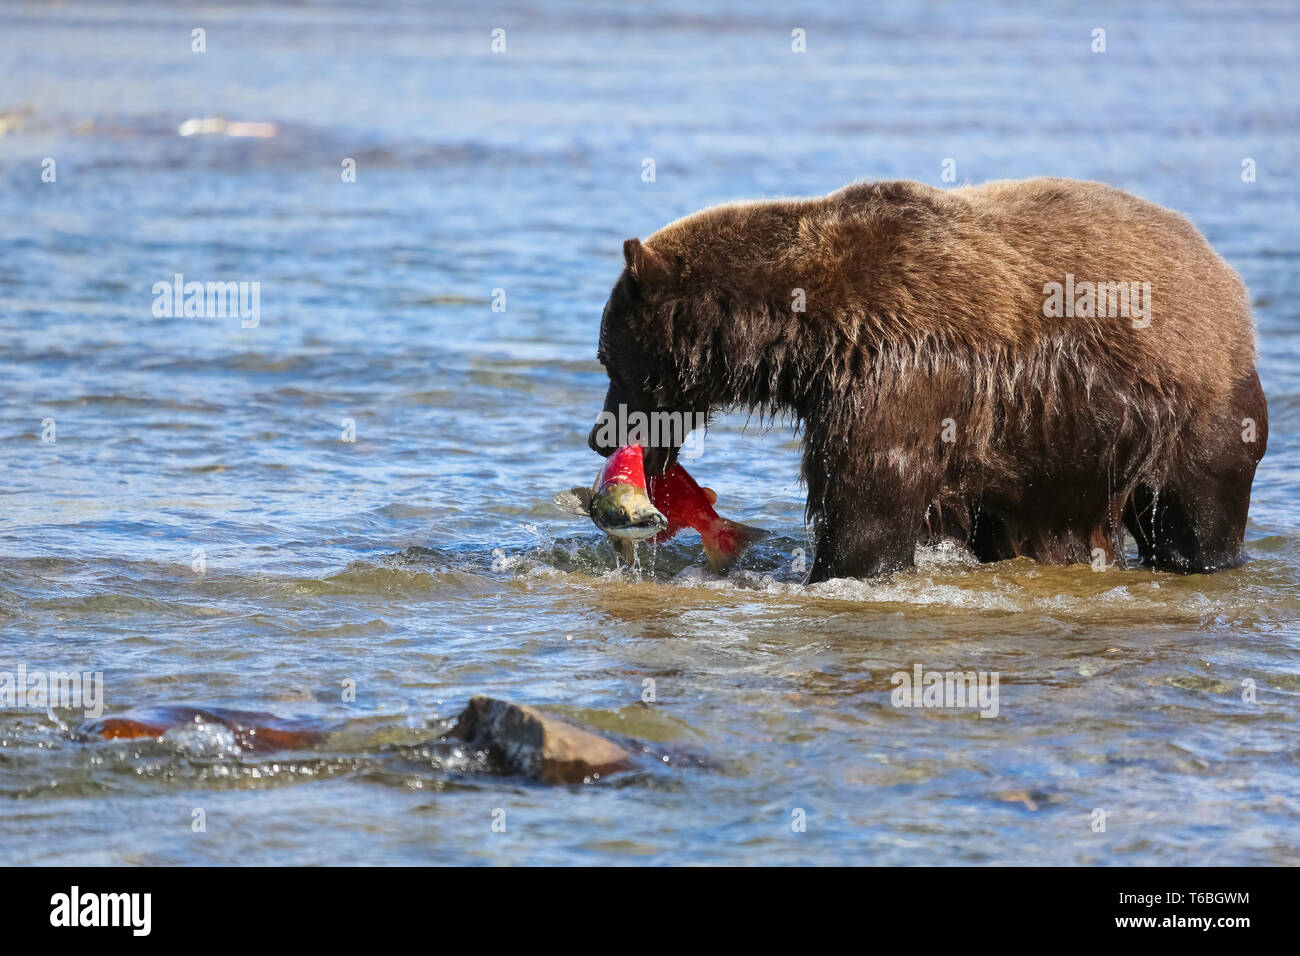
<point>1025,367</point>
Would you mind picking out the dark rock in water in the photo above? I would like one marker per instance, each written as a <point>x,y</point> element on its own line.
<point>534,745</point>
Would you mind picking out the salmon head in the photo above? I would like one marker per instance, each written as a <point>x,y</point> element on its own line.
<point>618,503</point>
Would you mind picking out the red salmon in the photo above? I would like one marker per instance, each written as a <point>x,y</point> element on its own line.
<point>253,731</point>
<point>686,505</point>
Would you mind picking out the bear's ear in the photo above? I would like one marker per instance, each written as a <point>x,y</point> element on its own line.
<point>646,265</point>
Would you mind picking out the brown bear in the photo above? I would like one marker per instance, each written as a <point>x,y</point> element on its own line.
<point>1027,367</point>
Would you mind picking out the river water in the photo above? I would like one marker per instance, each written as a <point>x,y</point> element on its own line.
<point>200,532</point>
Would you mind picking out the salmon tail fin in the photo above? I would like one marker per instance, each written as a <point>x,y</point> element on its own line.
<point>723,547</point>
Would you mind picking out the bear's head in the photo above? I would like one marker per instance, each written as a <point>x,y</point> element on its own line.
<point>657,385</point>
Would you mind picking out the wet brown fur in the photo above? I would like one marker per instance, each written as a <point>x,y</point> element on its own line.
<point>924,305</point>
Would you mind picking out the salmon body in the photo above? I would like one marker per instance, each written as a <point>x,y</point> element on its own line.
<point>686,505</point>
<point>253,731</point>
<point>625,467</point>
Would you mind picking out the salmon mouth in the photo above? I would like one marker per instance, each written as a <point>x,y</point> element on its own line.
<point>636,530</point>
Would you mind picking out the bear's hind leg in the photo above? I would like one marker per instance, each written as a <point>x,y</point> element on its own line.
<point>1196,528</point>
<point>1197,522</point>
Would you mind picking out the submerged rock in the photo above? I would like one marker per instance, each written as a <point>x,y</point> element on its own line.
<point>534,745</point>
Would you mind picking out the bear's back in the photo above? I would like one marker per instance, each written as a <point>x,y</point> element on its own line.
<point>901,263</point>
<point>975,264</point>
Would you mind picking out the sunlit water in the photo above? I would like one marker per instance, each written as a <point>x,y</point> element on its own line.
<point>425,562</point>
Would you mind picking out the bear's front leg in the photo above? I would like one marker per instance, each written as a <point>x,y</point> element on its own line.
<point>865,524</point>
